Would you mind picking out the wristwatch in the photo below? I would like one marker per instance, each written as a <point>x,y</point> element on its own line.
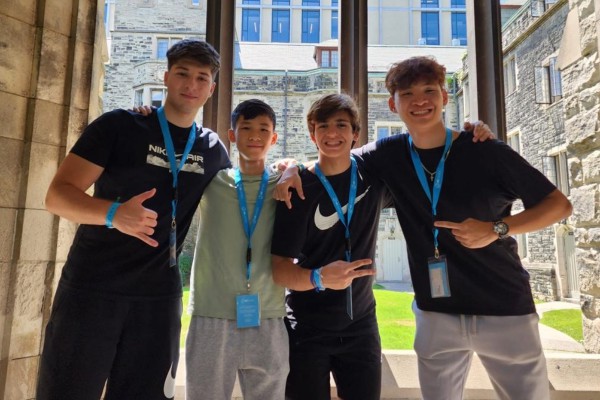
<point>501,228</point>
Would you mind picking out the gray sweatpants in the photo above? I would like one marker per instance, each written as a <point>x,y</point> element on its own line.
<point>509,348</point>
<point>216,350</point>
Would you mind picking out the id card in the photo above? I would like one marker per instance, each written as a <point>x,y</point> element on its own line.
<point>438,277</point>
<point>247,310</point>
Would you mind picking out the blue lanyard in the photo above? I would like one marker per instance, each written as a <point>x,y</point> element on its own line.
<point>175,167</point>
<point>249,226</point>
<point>437,183</point>
<point>344,219</point>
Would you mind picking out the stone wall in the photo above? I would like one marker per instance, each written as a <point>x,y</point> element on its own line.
<point>49,68</point>
<point>582,111</point>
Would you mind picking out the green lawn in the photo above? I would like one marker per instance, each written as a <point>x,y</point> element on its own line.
<point>397,322</point>
<point>566,321</point>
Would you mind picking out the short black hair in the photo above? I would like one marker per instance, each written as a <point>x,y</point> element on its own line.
<point>250,109</point>
<point>196,50</point>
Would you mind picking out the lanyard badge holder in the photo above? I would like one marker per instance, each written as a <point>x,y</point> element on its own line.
<point>437,265</point>
<point>344,219</point>
<point>175,168</point>
<point>248,305</point>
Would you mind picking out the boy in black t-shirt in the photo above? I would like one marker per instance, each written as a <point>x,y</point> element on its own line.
<point>115,319</point>
<point>453,199</point>
<point>331,308</point>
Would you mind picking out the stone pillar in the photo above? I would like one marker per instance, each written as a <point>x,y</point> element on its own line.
<point>46,71</point>
<point>581,85</point>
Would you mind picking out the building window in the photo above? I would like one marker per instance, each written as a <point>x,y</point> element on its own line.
<point>385,129</point>
<point>513,139</point>
<point>430,4</point>
<point>310,26</point>
<point>280,27</point>
<point>138,98</point>
<point>334,24</point>
<point>430,28</point>
<point>522,245</point>
<point>510,76</point>
<point>459,29</point>
<point>327,58</point>
<point>556,169</point>
<point>538,7</point>
<point>163,44</point>
<point>458,3</point>
<point>195,3</point>
<point>157,96</point>
<point>548,86</point>
<point>250,25</point>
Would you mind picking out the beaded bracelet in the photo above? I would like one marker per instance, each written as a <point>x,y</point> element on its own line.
<point>110,215</point>
<point>301,167</point>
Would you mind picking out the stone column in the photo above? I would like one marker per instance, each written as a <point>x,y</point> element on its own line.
<point>46,71</point>
<point>581,84</point>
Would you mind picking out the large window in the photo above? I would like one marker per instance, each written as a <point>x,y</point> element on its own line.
<point>385,129</point>
<point>327,58</point>
<point>539,6</point>
<point>311,26</point>
<point>334,20</point>
<point>157,96</point>
<point>430,3</point>
<point>250,25</point>
<point>163,44</point>
<point>459,29</point>
<point>280,29</point>
<point>548,86</point>
<point>510,75</point>
<point>557,171</point>
<point>138,98</point>
<point>513,139</point>
<point>430,28</point>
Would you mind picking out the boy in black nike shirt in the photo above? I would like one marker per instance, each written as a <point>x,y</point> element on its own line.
<point>116,315</point>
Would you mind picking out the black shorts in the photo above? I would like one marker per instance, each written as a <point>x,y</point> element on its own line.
<point>131,346</point>
<point>354,361</point>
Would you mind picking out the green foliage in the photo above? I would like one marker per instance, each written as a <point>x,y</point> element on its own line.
<point>566,321</point>
<point>185,268</point>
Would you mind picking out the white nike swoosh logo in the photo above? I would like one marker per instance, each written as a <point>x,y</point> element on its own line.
<point>325,222</point>
<point>169,387</point>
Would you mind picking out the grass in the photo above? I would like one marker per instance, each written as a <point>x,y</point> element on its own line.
<point>566,321</point>
<point>397,322</point>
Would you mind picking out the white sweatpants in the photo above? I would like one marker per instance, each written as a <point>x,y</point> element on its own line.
<point>509,348</point>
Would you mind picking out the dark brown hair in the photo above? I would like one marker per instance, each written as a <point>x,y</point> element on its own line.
<point>414,70</point>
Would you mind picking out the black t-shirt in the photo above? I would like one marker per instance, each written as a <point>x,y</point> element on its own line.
<point>481,181</point>
<point>312,232</point>
<point>130,148</point>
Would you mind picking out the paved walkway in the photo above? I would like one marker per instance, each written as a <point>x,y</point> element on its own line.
<point>551,338</point>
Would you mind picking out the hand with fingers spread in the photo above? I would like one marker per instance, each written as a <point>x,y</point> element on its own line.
<point>133,219</point>
<point>481,131</point>
<point>471,233</point>
<point>339,274</point>
<point>290,179</point>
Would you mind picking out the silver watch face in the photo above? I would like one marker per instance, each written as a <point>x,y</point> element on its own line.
<point>501,228</point>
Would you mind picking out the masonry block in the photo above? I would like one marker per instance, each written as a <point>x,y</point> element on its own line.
<point>21,378</point>
<point>11,152</point>
<point>35,241</point>
<point>53,67</point>
<point>13,115</point>
<point>48,122</point>
<point>41,169</point>
<point>16,55</point>
<point>58,15</point>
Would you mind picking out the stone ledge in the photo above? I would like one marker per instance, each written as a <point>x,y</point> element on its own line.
<point>573,376</point>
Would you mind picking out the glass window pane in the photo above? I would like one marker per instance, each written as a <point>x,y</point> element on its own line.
<point>280,29</point>
<point>250,25</point>
<point>162,45</point>
<point>310,26</point>
<point>430,28</point>
<point>281,2</point>
<point>334,58</point>
<point>458,4</point>
<point>334,24</point>
<point>157,98</point>
<point>459,28</point>
<point>253,2</point>
<point>325,58</point>
<point>430,3</point>
<point>382,132</point>
<point>311,2</point>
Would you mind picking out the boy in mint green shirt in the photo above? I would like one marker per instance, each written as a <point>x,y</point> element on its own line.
<point>236,307</point>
